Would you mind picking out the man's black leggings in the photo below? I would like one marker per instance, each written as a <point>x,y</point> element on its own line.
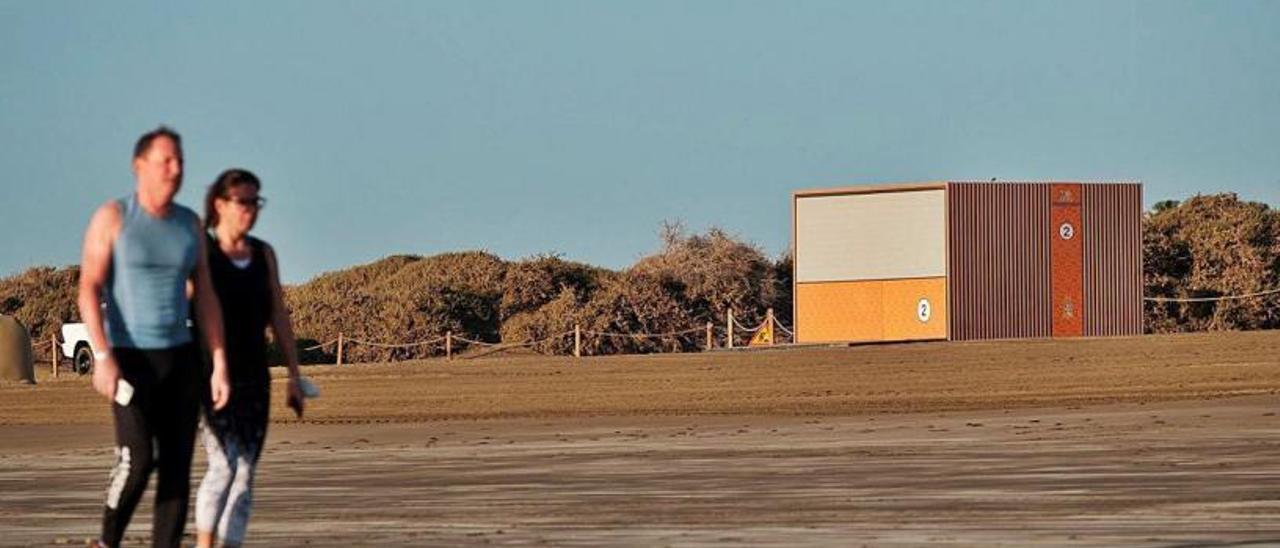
<point>155,431</point>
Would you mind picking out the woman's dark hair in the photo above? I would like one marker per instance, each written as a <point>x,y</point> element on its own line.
<point>221,188</point>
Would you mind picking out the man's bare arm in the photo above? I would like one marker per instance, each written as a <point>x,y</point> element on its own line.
<point>95,267</point>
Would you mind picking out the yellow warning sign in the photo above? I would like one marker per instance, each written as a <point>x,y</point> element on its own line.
<point>763,336</point>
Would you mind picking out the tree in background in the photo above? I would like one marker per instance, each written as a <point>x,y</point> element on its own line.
<point>42,298</point>
<point>1207,246</point>
<point>1211,246</point>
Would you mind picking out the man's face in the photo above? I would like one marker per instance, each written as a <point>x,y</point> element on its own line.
<point>159,169</point>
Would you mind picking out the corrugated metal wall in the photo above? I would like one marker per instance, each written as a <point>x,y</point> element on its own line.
<point>998,260</point>
<point>1112,235</point>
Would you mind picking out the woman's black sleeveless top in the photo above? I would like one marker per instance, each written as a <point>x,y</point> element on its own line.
<point>245,297</point>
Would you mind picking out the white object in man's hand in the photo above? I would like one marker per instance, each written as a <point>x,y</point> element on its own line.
<point>105,375</point>
<point>124,392</point>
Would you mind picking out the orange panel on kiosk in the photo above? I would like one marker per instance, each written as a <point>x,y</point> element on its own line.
<point>1066,262</point>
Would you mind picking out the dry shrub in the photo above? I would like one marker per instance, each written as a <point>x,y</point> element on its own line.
<point>339,302</point>
<point>1208,246</point>
<point>532,283</point>
<point>402,299</point>
<point>550,326</point>
<point>1212,246</point>
<point>784,298</point>
<point>637,303</point>
<point>41,298</point>
<point>711,273</point>
<point>456,292</point>
<point>692,280</point>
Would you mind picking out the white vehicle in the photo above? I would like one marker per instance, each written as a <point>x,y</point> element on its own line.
<point>77,347</point>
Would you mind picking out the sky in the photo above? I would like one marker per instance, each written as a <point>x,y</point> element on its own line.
<point>578,128</point>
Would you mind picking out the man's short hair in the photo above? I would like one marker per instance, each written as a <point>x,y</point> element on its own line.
<point>144,142</point>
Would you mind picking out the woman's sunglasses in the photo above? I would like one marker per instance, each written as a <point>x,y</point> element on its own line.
<point>249,203</point>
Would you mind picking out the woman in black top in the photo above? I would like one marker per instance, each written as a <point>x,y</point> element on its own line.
<point>247,283</point>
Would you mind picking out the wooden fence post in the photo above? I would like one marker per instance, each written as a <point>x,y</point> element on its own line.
<point>711,342</point>
<point>728,328</point>
<point>577,340</point>
<point>448,345</point>
<point>53,355</point>
<point>773,329</point>
<point>339,348</point>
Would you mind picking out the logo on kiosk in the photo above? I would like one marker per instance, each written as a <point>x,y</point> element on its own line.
<point>923,310</point>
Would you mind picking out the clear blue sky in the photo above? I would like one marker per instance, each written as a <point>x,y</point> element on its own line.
<point>577,127</point>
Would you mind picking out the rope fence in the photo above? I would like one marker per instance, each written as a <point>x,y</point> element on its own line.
<point>494,348</point>
<point>1210,299</point>
<point>319,346</point>
<point>645,335</point>
<point>49,351</point>
<point>742,328</point>
<point>770,321</point>
<point>434,341</point>
<point>725,336</point>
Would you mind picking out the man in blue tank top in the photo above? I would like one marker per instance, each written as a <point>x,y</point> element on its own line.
<point>139,254</point>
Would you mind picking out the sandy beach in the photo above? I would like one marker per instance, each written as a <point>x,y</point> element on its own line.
<point>1147,441</point>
